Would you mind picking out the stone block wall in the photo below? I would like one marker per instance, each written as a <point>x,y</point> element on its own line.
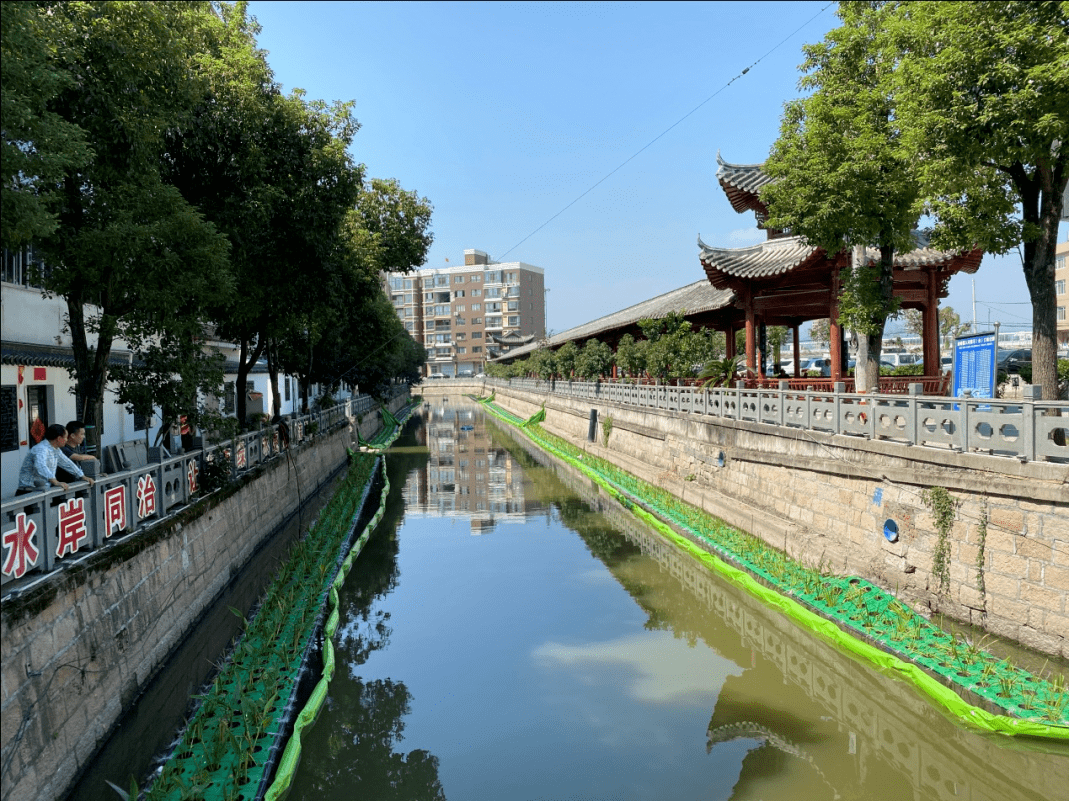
<point>824,499</point>
<point>80,645</point>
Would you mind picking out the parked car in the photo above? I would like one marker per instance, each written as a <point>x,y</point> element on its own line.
<point>900,359</point>
<point>1011,361</point>
<point>821,365</point>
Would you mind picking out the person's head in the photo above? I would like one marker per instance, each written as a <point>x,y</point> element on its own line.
<point>75,433</point>
<point>56,435</point>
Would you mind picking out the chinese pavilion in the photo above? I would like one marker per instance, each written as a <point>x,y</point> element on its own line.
<point>784,281</point>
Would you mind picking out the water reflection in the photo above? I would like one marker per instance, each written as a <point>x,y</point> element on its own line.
<point>513,666</point>
<point>465,475</point>
<point>820,725</point>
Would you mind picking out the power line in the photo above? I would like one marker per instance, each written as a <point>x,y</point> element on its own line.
<point>662,133</point>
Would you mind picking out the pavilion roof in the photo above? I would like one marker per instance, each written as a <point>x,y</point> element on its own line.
<point>742,184</point>
<point>766,260</point>
<point>691,299</point>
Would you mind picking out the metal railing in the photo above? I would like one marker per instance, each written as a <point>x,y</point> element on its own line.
<point>44,529</point>
<point>1028,430</point>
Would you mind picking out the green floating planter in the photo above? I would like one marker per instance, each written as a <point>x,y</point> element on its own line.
<point>854,614</point>
<point>233,740</point>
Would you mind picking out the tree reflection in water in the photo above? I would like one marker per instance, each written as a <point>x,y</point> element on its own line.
<point>353,754</point>
<point>359,760</point>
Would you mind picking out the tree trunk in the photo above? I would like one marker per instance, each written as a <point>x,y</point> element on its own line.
<point>1042,204</point>
<point>90,368</point>
<point>245,364</point>
<point>272,371</point>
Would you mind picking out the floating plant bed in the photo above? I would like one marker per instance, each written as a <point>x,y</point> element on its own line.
<point>976,687</point>
<point>234,738</point>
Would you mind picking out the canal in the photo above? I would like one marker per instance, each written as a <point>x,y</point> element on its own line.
<point>510,633</point>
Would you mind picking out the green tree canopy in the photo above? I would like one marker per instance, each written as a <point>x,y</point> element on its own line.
<point>842,177</point>
<point>133,259</point>
<point>594,360</point>
<point>983,93</point>
<point>38,146</point>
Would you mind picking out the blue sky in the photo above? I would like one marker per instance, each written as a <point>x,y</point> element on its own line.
<point>503,114</point>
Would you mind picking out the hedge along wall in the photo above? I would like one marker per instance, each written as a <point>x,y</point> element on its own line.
<point>825,498</point>
<point>80,646</point>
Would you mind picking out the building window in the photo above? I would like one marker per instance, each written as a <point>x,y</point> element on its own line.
<point>461,337</point>
<point>1061,313</point>
<point>1059,263</point>
<point>476,293</point>
<point>514,320</point>
<point>462,350</point>
<point>477,278</point>
<point>458,279</point>
<point>396,283</point>
<point>410,326</point>
<point>476,321</point>
<point>476,334</point>
<point>141,421</point>
<point>459,307</point>
<point>9,419</point>
<point>441,280</point>
<point>461,321</point>
<point>459,293</point>
<point>1059,286</point>
<point>428,324</point>
<point>477,349</point>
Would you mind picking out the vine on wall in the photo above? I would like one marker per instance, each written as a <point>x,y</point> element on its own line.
<point>981,544</point>
<point>943,508</point>
<point>606,429</point>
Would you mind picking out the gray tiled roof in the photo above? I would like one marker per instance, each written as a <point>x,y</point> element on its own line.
<point>47,355</point>
<point>742,183</point>
<point>763,260</point>
<point>777,256</point>
<point>691,299</point>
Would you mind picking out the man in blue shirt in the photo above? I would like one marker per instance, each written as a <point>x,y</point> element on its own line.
<point>39,468</point>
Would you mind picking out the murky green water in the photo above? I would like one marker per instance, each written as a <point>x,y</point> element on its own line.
<point>508,633</point>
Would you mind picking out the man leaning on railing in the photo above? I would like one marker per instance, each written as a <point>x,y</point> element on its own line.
<point>39,467</point>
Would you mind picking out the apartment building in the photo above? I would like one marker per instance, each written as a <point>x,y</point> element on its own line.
<point>1061,292</point>
<point>467,314</point>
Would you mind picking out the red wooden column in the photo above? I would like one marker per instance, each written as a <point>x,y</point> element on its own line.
<point>930,328</point>
<point>797,351</point>
<point>729,343</point>
<point>751,338</point>
<point>835,331</point>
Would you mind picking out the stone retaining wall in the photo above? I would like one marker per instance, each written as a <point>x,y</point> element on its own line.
<point>824,499</point>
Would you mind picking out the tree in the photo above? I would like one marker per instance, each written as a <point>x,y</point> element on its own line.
<point>984,102</point>
<point>594,360</point>
<point>665,351</point>
<point>631,356</point>
<point>39,146</point>
<point>842,178</point>
<point>950,324</point>
<point>133,259</point>
<point>565,357</point>
<point>820,331</point>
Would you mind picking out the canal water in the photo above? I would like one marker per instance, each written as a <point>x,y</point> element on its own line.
<point>511,633</point>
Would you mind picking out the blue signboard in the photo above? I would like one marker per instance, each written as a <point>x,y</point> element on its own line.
<point>974,365</point>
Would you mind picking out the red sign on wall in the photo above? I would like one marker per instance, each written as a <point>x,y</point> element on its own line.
<point>40,373</point>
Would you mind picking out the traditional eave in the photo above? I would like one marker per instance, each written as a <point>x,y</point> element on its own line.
<point>742,184</point>
<point>727,267</point>
<point>512,338</point>
<point>23,353</point>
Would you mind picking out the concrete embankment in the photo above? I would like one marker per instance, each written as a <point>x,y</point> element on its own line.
<point>825,499</point>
